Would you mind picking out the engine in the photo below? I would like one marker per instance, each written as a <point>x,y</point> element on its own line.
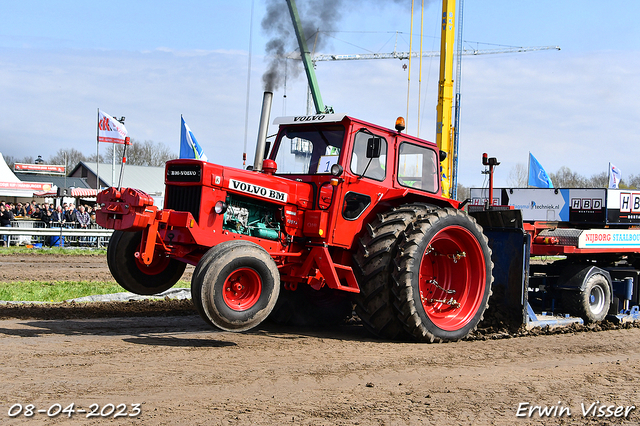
<point>250,217</point>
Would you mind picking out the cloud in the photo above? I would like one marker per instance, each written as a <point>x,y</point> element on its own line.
<point>579,111</point>
<point>50,99</point>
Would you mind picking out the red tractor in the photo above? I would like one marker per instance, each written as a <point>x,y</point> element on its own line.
<point>339,211</point>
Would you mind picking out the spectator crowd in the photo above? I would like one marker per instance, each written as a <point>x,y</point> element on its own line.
<point>67,215</point>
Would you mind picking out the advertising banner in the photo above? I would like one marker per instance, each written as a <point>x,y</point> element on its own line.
<point>36,186</point>
<point>39,168</point>
<point>609,238</point>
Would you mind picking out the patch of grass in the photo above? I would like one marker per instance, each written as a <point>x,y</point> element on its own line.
<point>58,291</point>
<point>6,251</point>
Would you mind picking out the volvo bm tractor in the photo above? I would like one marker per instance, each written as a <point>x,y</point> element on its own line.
<point>335,212</point>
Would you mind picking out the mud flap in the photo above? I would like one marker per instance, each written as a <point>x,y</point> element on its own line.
<point>510,246</point>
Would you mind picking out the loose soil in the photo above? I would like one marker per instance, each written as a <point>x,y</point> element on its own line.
<point>59,267</point>
<point>161,355</point>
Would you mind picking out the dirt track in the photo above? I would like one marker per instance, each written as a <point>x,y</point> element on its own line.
<point>184,372</point>
<point>25,267</point>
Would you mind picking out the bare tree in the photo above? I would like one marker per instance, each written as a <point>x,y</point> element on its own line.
<point>600,180</point>
<point>71,155</point>
<point>565,178</point>
<point>518,177</point>
<point>92,158</point>
<point>633,181</point>
<point>145,153</point>
<point>463,192</point>
<point>11,160</point>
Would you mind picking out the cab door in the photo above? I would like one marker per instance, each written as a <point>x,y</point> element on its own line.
<point>366,177</point>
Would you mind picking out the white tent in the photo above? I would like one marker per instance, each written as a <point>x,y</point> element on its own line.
<point>11,186</point>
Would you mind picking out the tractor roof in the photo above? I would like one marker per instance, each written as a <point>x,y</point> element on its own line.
<point>316,118</point>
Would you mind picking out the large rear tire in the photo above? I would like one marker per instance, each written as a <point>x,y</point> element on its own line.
<point>443,276</point>
<point>373,263</point>
<point>591,304</point>
<point>239,286</point>
<point>135,276</point>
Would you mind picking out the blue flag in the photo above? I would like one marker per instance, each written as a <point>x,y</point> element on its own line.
<point>537,176</point>
<point>189,146</point>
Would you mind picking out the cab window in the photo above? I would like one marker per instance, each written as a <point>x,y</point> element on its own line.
<point>373,168</point>
<point>354,205</point>
<point>417,167</point>
<point>308,149</point>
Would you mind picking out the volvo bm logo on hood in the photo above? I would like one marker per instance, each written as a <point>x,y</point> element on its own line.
<point>184,173</point>
<point>260,191</point>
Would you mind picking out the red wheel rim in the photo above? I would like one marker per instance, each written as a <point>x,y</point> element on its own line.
<point>452,278</point>
<point>158,264</point>
<point>242,289</point>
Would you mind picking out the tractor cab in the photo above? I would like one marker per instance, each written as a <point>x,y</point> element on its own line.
<point>354,168</point>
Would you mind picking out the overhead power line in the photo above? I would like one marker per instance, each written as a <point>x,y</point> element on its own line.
<point>406,55</point>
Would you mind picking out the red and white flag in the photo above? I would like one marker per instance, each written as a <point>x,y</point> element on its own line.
<point>110,130</point>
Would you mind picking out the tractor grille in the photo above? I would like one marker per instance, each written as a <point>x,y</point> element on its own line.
<point>184,199</point>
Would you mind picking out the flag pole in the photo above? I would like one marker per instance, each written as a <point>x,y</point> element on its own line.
<point>98,154</point>
<point>528,168</point>
<point>113,166</point>
<point>124,160</point>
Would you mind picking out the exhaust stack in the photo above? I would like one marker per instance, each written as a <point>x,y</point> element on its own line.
<point>262,130</point>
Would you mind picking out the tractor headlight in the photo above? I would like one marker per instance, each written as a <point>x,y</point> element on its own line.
<point>220,207</point>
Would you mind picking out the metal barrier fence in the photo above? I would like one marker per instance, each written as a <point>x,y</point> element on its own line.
<point>34,232</point>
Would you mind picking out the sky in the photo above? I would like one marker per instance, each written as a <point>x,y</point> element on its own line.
<point>153,61</point>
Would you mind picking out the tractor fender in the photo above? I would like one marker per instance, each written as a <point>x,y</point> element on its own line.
<point>574,277</point>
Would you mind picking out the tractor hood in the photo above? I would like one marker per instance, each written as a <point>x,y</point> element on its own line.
<point>258,185</point>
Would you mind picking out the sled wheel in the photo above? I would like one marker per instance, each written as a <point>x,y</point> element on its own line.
<point>373,262</point>
<point>591,304</point>
<point>239,286</point>
<point>443,276</point>
<point>135,276</point>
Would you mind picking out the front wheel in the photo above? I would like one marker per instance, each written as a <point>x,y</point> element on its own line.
<point>442,277</point>
<point>135,276</point>
<point>239,286</point>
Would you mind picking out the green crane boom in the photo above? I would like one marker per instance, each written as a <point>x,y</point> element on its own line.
<point>306,58</point>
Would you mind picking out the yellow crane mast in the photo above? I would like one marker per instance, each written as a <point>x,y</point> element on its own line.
<point>444,133</point>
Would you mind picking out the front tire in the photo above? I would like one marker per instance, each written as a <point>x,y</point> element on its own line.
<point>196,279</point>
<point>135,276</point>
<point>239,286</point>
<point>443,276</point>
